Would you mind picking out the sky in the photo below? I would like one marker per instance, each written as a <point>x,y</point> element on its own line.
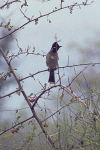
<point>82,24</point>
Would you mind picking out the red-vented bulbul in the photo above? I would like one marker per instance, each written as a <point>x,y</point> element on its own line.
<point>52,61</point>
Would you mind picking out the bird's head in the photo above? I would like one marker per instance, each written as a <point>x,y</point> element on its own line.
<point>55,47</point>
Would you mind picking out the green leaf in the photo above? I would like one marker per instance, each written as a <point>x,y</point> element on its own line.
<point>91,90</point>
<point>36,21</point>
<point>6,26</point>
<point>8,74</point>
<point>61,97</point>
<point>31,94</point>
<point>25,4</point>
<point>1,79</point>
<point>18,118</point>
<point>7,53</point>
<point>7,136</point>
<point>45,86</point>
<point>72,99</point>
<point>19,92</point>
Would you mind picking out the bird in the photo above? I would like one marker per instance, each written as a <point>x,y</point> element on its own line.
<point>52,61</point>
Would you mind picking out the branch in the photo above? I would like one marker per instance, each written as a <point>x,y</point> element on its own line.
<point>32,75</point>
<point>17,80</point>
<point>24,94</point>
<point>10,93</point>
<point>16,125</point>
<point>79,74</point>
<point>71,6</point>
<point>7,4</point>
<point>43,130</point>
<point>42,94</point>
<point>67,89</point>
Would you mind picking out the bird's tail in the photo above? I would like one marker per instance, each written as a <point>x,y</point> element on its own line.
<point>51,77</point>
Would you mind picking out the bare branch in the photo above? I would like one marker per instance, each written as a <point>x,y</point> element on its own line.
<point>17,80</point>
<point>32,75</point>
<point>71,6</point>
<point>10,93</point>
<point>16,125</point>
<point>9,3</point>
<point>43,130</point>
<point>28,101</point>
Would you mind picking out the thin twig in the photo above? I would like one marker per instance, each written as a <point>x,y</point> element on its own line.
<point>28,101</point>
<point>17,80</point>
<point>10,93</point>
<point>7,4</point>
<point>43,16</point>
<point>16,125</point>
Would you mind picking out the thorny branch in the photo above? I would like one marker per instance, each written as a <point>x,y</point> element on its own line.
<point>9,3</point>
<point>15,125</point>
<point>65,88</point>
<point>70,7</point>
<point>28,101</point>
<point>17,80</point>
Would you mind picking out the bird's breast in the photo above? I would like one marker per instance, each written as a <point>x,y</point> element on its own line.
<point>52,60</point>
